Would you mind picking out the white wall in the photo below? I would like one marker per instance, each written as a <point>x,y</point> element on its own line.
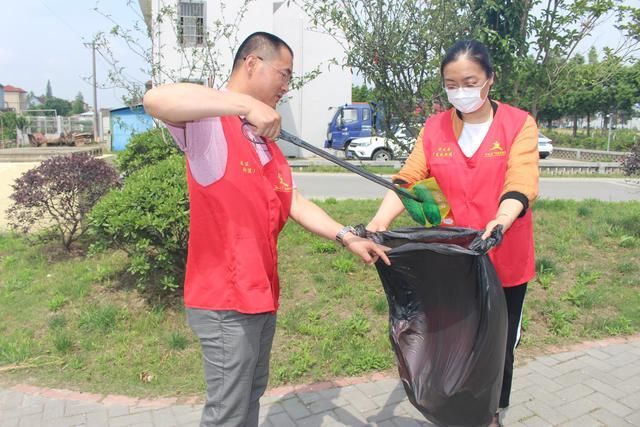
<point>306,111</point>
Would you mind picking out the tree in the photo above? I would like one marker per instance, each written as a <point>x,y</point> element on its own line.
<point>557,31</point>
<point>593,55</point>
<point>503,27</point>
<point>62,106</point>
<point>77,106</point>
<point>396,46</point>
<point>48,93</point>
<point>363,94</point>
<point>10,123</point>
<point>203,63</point>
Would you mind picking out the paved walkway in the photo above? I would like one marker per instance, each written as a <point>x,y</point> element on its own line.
<point>594,384</point>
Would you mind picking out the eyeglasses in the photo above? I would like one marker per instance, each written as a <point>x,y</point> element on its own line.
<point>285,76</point>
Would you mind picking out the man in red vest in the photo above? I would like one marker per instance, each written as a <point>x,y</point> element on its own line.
<point>240,193</point>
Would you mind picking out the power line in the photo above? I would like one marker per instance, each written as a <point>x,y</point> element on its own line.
<point>53,12</point>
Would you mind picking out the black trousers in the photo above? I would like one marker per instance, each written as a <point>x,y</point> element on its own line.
<point>515,299</point>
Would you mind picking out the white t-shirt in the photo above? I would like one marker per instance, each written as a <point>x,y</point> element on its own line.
<point>472,136</point>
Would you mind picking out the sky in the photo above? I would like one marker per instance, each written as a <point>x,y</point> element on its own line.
<point>43,40</point>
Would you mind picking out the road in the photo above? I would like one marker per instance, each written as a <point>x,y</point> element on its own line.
<point>350,186</point>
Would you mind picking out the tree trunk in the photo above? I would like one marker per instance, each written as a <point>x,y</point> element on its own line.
<point>575,125</point>
<point>534,108</point>
<point>588,124</point>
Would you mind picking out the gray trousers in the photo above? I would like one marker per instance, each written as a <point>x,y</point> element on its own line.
<point>235,351</point>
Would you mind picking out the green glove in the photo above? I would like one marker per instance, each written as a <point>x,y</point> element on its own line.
<point>429,204</point>
<point>427,211</point>
<point>413,207</point>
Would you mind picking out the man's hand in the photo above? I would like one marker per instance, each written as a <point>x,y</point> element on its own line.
<point>264,119</point>
<point>366,249</point>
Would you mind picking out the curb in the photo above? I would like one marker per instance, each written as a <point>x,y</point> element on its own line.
<point>164,402</point>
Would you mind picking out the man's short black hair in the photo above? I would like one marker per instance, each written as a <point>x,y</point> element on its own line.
<point>262,42</point>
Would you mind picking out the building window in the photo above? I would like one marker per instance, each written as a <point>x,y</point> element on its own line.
<point>191,18</point>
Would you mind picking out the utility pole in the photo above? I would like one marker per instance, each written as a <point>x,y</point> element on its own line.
<point>609,132</point>
<point>96,122</point>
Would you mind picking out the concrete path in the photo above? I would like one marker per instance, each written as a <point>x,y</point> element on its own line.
<point>593,384</point>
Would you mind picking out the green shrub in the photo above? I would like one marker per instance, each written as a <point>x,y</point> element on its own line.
<point>149,219</point>
<point>621,139</point>
<point>145,149</point>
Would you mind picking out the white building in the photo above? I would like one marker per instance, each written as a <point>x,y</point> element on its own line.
<point>306,112</point>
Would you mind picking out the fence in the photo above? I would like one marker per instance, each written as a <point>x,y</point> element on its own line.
<point>599,168</point>
<point>56,125</point>
<point>588,155</point>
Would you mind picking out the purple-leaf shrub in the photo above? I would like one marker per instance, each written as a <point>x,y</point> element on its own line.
<point>59,193</point>
<point>631,163</point>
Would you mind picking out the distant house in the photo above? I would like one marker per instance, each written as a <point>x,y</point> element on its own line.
<point>2,107</point>
<point>126,122</point>
<point>37,101</point>
<point>15,98</point>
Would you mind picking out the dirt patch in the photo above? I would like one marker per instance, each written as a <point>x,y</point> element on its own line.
<point>9,172</point>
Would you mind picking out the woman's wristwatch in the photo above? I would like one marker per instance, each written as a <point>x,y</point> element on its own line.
<point>343,232</point>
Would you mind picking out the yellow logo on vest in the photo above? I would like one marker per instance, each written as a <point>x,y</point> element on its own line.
<point>496,150</point>
<point>282,185</point>
<point>443,152</point>
<point>246,167</point>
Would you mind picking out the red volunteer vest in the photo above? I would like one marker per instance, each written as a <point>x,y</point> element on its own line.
<point>473,186</point>
<point>232,261</point>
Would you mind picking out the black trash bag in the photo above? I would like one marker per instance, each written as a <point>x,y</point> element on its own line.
<point>448,321</point>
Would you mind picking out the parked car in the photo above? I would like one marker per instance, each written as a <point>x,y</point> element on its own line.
<point>545,148</point>
<point>380,148</point>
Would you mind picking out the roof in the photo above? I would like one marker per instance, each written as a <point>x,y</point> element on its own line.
<point>9,88</point>
<point>136,107</point>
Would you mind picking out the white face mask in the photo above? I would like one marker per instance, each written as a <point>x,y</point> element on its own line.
<point>466,99</point>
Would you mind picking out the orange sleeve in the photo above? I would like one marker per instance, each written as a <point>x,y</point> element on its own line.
<point>415,168</point>
<point>522,167</point>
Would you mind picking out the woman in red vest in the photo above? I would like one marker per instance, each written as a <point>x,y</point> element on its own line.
<point>484,156</point>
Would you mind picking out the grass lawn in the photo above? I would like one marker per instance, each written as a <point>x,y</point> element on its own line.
<point>74,322</point>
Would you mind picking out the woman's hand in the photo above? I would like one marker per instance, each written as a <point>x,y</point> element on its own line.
<point>501,219</point>
<point>376,225</point>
